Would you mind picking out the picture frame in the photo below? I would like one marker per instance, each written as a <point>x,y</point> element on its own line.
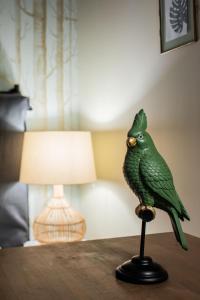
<point>177,23</point>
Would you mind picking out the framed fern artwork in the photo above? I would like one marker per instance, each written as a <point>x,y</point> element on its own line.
<point>177,23</point>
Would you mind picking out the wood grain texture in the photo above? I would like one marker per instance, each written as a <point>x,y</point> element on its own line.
<point>86,270</point>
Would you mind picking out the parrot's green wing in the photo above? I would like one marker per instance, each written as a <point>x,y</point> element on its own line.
<point>158,178</point>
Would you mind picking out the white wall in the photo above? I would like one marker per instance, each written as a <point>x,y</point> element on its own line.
<point>120,71</point>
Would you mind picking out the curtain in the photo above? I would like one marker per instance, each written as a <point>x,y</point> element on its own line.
<point>38,51</point>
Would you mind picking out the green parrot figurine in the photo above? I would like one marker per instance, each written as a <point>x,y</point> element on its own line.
<point>149,177</point>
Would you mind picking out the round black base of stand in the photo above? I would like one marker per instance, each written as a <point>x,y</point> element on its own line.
<point>141,271</point>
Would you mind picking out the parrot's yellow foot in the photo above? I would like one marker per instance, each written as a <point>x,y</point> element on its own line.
<point>146,213</point>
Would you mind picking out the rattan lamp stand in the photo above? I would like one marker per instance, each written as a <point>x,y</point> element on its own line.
<point>57,158</point>
<point>59,222</point>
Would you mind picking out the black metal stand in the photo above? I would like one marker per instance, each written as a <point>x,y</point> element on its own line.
<point>141,269</point>
<point>142,241</point>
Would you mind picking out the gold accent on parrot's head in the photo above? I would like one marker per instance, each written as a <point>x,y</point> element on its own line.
<point>131,142</point>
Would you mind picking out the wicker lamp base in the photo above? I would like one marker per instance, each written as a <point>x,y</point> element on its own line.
<point>59,222</point>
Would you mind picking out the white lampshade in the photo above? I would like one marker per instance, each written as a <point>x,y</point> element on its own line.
<point>57,157</point>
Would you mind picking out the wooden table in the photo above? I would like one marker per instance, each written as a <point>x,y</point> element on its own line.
<point>86,270</point>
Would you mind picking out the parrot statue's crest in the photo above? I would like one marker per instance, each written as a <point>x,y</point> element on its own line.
<point>139,123</point>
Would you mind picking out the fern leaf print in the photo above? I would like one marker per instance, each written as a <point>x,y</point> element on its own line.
<point>178,14</point>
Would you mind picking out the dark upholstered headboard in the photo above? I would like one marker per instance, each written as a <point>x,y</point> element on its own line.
<point>14,221</point>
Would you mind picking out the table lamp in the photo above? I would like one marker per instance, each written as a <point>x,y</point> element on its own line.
<point>57,158</point>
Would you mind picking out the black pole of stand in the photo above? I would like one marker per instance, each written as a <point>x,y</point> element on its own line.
<point>141,269</point>
<point>142,240</point>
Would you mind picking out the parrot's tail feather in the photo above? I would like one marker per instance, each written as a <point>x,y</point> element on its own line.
<point>184,213</point>
<point>180,236</point>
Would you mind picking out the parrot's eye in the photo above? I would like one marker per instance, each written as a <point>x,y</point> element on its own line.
<point>140,136</point>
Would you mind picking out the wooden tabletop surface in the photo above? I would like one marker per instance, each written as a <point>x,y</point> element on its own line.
<point>86,270</point>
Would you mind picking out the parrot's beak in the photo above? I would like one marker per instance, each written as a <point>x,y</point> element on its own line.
<point>131,142</point>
